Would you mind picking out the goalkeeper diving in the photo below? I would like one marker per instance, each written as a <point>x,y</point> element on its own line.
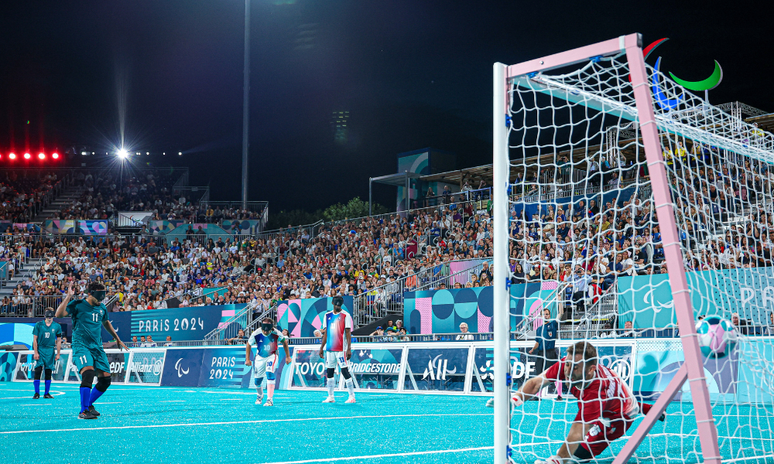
<point>606,405</point>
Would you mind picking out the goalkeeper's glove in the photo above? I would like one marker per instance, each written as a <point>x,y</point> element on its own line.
<point>516,400</point>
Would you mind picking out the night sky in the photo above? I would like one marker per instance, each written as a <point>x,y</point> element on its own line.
<point>412,74</point>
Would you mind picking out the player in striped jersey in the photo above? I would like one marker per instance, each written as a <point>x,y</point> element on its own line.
<point>265,341</point>
<point>336,347</point>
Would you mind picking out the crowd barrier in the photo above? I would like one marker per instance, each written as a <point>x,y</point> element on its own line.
<point>461,367</point>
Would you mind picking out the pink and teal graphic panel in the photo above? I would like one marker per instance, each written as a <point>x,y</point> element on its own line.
<point>442,311</point>
<point>303,317</point>
<point>72,227</point>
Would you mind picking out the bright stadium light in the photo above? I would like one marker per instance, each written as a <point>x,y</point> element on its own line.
<point>27,156</point>
<point>41,156</point>
<point>55,155</point>
<point>180,153</point>
<point>12,156</point>
<point>122,153</point>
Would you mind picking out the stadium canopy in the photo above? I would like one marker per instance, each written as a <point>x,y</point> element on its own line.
<point>401,179</point>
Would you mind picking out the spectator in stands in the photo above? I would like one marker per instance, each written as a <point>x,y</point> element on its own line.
<point>286,333</point>
<point>150,343</point>
<point>378,332</point>
<point>580,285</point>
<point>740,324</point>
<point>240,338</point>
<point>464,335</point>
<point>168,342</point>
<point>143,343</point>
<point>134,343</point>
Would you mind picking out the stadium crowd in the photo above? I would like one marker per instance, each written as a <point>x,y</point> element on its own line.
<point>105,193</point>
<point>24,194</point>
<point>587,245</point>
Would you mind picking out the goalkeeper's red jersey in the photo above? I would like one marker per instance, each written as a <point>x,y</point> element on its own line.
<point>607,396</point>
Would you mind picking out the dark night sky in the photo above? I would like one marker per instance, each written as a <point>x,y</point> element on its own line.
<point>412,74</point>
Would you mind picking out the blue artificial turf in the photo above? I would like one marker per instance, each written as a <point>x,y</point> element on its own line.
<point>184,425</point>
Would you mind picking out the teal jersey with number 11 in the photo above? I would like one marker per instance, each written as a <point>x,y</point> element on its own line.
<point>87,322</point>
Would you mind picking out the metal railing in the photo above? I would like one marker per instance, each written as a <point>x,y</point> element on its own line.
<point>596,320</point>
<point>256,322</point>
<point>525,328</point>
<point>240,320</point>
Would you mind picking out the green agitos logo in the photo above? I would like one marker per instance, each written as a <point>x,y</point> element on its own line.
<point>697,86</point>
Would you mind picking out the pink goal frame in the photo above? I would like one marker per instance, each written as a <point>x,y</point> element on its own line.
<point>692,370</point>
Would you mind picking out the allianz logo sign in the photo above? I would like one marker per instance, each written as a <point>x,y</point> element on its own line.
<point>437,369</point>
<point>622,368</point>
<point>148,365</point>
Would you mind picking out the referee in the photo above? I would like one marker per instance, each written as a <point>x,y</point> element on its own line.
<point>545,348</point>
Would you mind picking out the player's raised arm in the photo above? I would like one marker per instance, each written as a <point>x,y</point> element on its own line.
<point>61,310</point>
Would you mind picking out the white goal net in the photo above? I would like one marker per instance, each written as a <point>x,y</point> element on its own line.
<point>586,241</point>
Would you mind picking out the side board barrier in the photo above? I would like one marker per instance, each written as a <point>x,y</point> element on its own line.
<point>462,367</point>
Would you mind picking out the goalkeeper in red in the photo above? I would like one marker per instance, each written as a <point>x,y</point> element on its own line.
<point>606,405</point>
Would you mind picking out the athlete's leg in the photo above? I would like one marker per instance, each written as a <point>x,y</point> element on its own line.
<point>330,365</point>
<point>260,373</point>
<point>341,360</point>
<point>271,364</point>
<point>36,381</point>
<point>48,382</point>
<point>103,382</point>
<point>87,379</point>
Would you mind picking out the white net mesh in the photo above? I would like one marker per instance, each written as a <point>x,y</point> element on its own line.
<point>585,242</point>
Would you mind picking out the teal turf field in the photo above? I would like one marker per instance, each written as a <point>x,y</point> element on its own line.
<point>184,425</point>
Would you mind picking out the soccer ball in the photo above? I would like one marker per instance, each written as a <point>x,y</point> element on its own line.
<point>717,337</point>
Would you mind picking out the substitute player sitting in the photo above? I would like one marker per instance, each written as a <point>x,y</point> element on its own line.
<point>265,341</point>
<point>606,405</point>
<point>89,316</point>
<point>45,336</point>
<point>336,347</point>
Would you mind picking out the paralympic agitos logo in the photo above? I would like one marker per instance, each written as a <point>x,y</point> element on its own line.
<point>697,86</point>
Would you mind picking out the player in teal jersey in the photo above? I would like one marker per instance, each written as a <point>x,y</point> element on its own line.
<point>89,316</point>
<point>45,336</point>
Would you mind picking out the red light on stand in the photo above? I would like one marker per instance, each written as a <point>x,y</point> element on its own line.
<point>27,156</point>
<point>41,156</point>
<point>12,156</point>
<point>55,155</point>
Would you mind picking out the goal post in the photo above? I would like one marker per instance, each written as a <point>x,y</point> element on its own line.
<point>652,157</point>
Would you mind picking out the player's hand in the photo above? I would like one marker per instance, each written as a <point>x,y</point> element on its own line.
<point>322,353</point>
<point>35,356</point>
<point>530,351</point>
<point>517,399</point>
<point>70,291</point>
<point>349,353</point>
<point>121,346</point>
<point>288,360</point>
<point>57,357</point>
<point>248,362</point>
